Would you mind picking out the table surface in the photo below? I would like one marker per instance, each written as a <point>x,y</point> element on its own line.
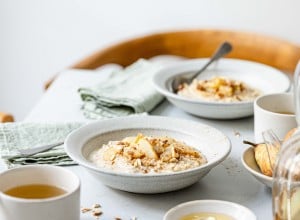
<point>228,181</point>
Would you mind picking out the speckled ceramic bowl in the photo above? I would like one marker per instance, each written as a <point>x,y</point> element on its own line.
<point>264,78</point>
<point>213,144</point>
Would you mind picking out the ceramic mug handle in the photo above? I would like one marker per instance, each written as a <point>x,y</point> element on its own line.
<point>297,92</point>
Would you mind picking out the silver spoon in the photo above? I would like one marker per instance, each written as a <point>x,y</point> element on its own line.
<point>34,150</point>
<point>178,80</point>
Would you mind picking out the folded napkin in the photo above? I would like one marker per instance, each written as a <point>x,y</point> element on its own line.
<point>16,136</point>
<point>127,91</point>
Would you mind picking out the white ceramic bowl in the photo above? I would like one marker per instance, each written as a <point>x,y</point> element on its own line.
<point>234,210</point>
<point>248,161</point>
<point>212,143</point>
<point>259,76</point>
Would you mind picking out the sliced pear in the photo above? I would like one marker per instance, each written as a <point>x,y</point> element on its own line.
<point>130,140</point>
<point>264,159</point>
<point>133,139</point>
<point>144,146</point>
<point>167,154</point>
<point>110,154</point>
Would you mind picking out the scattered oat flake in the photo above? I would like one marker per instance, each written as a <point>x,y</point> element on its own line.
<point>237,134</point>
<point>97,212</point>
<point>96,205</point>
<point>84,210</point>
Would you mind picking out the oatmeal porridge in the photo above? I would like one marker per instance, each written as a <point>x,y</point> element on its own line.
<point>220,89</point>
<point>147,154</point>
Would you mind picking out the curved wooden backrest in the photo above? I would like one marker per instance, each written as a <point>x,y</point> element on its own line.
<point>196,44</point>
<point>6,117</point>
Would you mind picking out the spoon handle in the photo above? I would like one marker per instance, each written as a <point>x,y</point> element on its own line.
<point>35,150</point>
<point>224,49</point>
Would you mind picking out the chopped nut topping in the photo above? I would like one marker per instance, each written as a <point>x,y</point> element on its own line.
<point>219,89</point>
<point>146,154</point>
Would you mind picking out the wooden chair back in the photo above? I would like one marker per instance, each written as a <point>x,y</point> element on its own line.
<point>6,117</point>
<point>196,44</point>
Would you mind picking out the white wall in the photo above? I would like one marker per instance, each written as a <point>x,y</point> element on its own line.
<point>41,37</point>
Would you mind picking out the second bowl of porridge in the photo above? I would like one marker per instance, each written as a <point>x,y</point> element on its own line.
<point>147,154</point>
<point>225,90</point>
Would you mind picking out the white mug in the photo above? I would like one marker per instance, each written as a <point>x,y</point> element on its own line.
<point>62,207</point>
<point>276,112</point>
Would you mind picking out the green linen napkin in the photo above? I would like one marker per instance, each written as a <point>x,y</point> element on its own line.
<point>127,91</point>
<point>23,135</point>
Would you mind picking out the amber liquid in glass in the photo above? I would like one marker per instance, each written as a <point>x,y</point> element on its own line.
<point>35,191</point>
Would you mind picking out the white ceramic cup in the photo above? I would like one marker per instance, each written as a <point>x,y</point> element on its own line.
<point>63,207</point>
<point>271,111</point>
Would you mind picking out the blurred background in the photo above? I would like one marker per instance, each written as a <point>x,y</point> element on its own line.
<point>40,38</point>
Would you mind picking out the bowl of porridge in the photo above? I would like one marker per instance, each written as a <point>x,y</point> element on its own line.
<point>226,90</point>
<point>147,154</point>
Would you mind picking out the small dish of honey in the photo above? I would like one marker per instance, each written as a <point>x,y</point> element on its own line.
<point>209,210</point>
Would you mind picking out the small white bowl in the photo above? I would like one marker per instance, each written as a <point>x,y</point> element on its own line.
<point>248,161</point>
<point>231,209</point>
<point>213,144</point>
<point>262,77</point>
